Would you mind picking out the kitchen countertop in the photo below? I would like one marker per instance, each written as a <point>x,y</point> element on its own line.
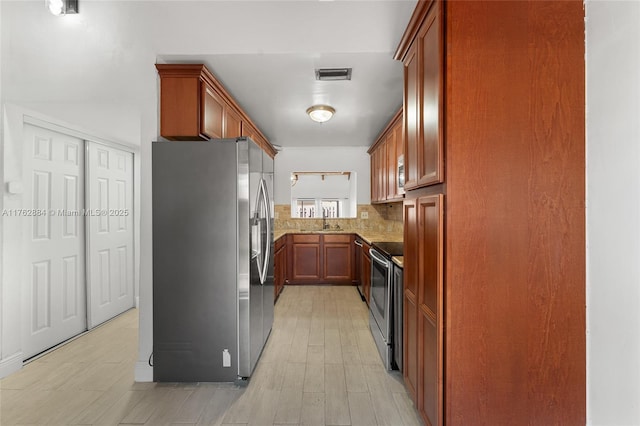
<point>368,236</point>
<point>398,260</point>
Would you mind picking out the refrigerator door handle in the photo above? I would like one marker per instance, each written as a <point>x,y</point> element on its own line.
<point>267,251</point>
<point>267,246</point>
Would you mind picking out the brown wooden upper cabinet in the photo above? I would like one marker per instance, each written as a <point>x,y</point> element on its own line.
<point>423,104</point>
<point>385,153</point>
<point>194,105</point>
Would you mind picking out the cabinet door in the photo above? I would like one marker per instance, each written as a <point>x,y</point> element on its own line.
<point>179,107</point>
<point>336,257</point>
<point>306,261</point>
<point>430,305</point>
<point>410,313</point>
<point>232,124</point>
<point>398,131</point>
<point>277,272</point>
<point>391,165</point>
<point>382,171</point>
<point>430,151</point>
<point>337,261</point>
<point>423,106</point>
<point>280,266</point>
<point>357,264</point>
<point>374,176</point>
<point>411,117</point>
<point>212,112</point>
<point>378,173</point>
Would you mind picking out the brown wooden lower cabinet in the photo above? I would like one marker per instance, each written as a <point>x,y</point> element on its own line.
<point>305,258</point>
<point>280,266</point>
<point>337,256</point>
<point>423,305</point>
<point>321,258</point>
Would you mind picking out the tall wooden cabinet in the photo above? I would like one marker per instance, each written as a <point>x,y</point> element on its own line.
<point>194,105</point>
<point>494,263</point>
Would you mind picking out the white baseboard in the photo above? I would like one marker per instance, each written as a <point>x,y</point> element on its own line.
<point>10,365</point>
<point>143,372</point>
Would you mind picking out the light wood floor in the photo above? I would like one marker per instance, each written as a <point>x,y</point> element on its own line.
<point>320,367</point>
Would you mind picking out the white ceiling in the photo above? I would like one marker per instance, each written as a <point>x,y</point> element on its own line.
<point>275,82</point>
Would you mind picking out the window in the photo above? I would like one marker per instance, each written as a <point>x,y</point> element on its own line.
<point>310,208</point>
<point>331,193</point>
<point>330,208</point>
<point>306,208</point>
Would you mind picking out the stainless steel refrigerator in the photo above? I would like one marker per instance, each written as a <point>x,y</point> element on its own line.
<point>212,259</point>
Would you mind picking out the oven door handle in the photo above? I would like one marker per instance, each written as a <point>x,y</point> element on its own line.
<point>376,256</point>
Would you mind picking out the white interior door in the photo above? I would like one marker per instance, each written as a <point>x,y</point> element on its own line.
<point>54,297</point>
<point>110,229</point>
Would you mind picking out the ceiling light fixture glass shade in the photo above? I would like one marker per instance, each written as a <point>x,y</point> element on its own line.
<point>320,113</point>
<point>62,7</point>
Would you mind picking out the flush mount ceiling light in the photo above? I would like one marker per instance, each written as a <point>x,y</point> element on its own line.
<point>62,7</point>
<point>320,113</point>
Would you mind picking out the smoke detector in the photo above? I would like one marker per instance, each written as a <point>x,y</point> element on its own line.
<point>333,74</point>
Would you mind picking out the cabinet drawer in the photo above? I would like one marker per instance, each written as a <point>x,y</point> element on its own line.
<point>337,238</point>
<point>306,238</point>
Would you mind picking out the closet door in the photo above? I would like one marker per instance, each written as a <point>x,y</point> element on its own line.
<point>54,297</point>
<point>110,230</point>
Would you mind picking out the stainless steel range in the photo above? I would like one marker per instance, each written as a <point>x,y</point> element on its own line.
<point>385,304</point>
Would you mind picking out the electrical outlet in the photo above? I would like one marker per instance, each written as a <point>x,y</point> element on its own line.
<point>226,358</point>
<point>364,215</point>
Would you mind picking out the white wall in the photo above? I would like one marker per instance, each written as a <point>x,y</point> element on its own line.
<point>321,159</point>
<point>613,212</point>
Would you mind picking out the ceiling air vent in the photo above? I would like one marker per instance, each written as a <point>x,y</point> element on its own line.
<point>333,74</point>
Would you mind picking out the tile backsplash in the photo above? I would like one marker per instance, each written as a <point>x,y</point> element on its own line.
<point>383,218</point>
